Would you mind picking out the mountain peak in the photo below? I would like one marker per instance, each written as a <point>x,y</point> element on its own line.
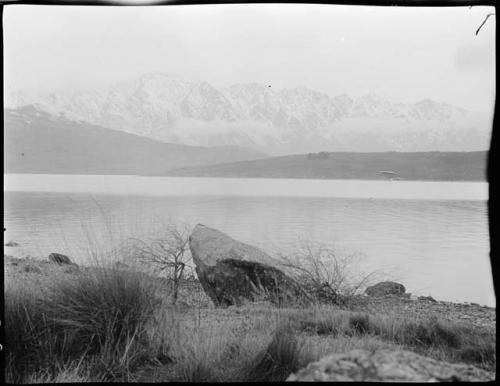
<point>179,110</point>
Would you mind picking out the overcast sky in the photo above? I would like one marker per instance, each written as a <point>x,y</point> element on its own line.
<point>402,53</point>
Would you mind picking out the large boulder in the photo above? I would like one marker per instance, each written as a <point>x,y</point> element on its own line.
<point>232,272</point>
<point>386,366</point>
<point>59,258</point>
<point>385,288</point>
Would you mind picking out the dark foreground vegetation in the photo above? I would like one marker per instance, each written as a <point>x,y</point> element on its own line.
<point>418,166</point>
<point>118,324</point>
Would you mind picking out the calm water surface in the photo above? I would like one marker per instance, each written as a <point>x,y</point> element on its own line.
<point>431,236</point>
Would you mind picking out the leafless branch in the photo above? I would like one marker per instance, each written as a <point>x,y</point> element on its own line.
<point>484,21</point>
<point>168,252</point>
<point>323,271</point>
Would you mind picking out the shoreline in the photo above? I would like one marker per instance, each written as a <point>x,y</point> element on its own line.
<point>252,187</point>
<point>42,271</point>
<point>414,297</point>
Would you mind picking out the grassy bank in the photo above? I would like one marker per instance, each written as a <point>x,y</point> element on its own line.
<point>109,324</point>
<point>416,166</point>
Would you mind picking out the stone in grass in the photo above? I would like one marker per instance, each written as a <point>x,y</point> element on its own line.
<point>59,258</point>
<point>121,265</point>
<point>235,282</point>
<point>385,288</point>
<point>30,268</point>
<point>386,366</point>
<point>71,269</point>
<point>427,299</point>
<point>232,272</point>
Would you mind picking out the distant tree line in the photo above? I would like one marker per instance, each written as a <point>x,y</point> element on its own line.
<point>320,155</point>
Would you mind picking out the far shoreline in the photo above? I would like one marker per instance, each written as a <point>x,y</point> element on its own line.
<point>255,187</point>
<point>231,177</point>
<point>9,257</point>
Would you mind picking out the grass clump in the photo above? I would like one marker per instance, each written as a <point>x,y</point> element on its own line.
<point>425,333</point>
<point>196,354</point>
<point>359,323</point>
<point>445,340</point>
<point>71,373</point>
<point>430,336</point>
<point>27,343</point>
<point>320,325</point>
<point>278,360</point>
<point>101,319</point>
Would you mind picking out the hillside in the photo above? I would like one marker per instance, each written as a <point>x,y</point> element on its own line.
<point>259,116</point>
<point>449,166</point>
<point>36,142</point>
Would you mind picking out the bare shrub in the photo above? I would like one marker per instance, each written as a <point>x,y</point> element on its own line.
<point>323,272</point>
<point>168,253</point>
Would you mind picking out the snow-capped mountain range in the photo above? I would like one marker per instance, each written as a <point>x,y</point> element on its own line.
<point>252,115</point>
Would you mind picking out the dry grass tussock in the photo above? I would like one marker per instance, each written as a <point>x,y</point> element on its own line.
<point>104,320</point>
<point>430,336</point>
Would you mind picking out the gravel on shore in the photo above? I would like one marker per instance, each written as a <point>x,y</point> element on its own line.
<point>192,297</point>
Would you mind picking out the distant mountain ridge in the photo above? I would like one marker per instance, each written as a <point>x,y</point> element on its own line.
<point>253,115</point>
<point>37,142</point>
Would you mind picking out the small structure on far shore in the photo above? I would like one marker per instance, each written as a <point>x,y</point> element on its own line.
<point>390,174</point>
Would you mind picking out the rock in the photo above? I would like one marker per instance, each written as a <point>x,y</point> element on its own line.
<point>386,366</point>
<point>427,299</point>
<point>233,281</point>
<point>11,244</point>
<point>71,269</point>
<point>385,288</point>
<point>232,272</point>
<point>59,259</point>
<point>121,265</point>
<point>32,268</point>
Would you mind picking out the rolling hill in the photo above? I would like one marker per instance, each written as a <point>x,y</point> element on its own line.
<point>439,166</point>
<point>37,142</point>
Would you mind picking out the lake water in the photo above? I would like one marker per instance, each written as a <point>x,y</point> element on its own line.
<point>431,236</point>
